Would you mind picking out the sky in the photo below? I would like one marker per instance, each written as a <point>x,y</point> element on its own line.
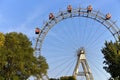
<point>25,15</point>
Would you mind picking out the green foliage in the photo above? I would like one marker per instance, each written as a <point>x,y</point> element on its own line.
<point>68,78</point>
<point>53,79</point>
<point>2,39</point>
<point>17,61</point>
<point>64,78</point>
<point>111,53</point>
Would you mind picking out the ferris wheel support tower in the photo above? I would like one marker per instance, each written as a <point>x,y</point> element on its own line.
<point>81,59</point>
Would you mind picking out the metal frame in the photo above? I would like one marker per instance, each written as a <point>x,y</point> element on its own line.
<point>78,12</point>
<point>81,59</point>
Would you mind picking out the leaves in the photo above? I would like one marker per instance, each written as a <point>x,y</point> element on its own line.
<point>68,78</point>
<point>2,39</point>
<point>16,58</point>
<point>64,78</point>
<point>111,53</point>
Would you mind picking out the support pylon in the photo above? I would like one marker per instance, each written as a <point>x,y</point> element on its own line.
<point>81,59</point>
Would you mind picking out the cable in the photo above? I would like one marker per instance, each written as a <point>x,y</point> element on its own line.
<point>70,67</point>
<point>100,72</point>
<point>58,66</point>
<point>63,69</point>
<point>96,39</point>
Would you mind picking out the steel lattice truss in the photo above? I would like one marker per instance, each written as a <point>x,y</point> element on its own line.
<point>79,12</point>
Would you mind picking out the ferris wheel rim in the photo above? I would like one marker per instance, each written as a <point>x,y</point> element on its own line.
<point>78,12</point>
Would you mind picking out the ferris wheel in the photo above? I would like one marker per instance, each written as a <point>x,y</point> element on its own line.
<point>71,41</point>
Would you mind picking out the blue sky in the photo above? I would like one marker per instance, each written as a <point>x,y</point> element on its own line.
<point>20,15</point>
<point>25,15</point>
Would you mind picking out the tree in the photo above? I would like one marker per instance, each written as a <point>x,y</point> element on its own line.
<point>111,53</point>
<point>64,78</point>
<point>67,78</point>
<point>16,59</point>
<point>53,79</point>
<point>2,39</point>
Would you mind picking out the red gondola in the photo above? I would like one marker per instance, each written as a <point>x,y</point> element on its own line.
<point>89,8</point>
<point>37,31</point>
<point>69,8</point>
<point>108,16</point>
<point>51,16</point>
